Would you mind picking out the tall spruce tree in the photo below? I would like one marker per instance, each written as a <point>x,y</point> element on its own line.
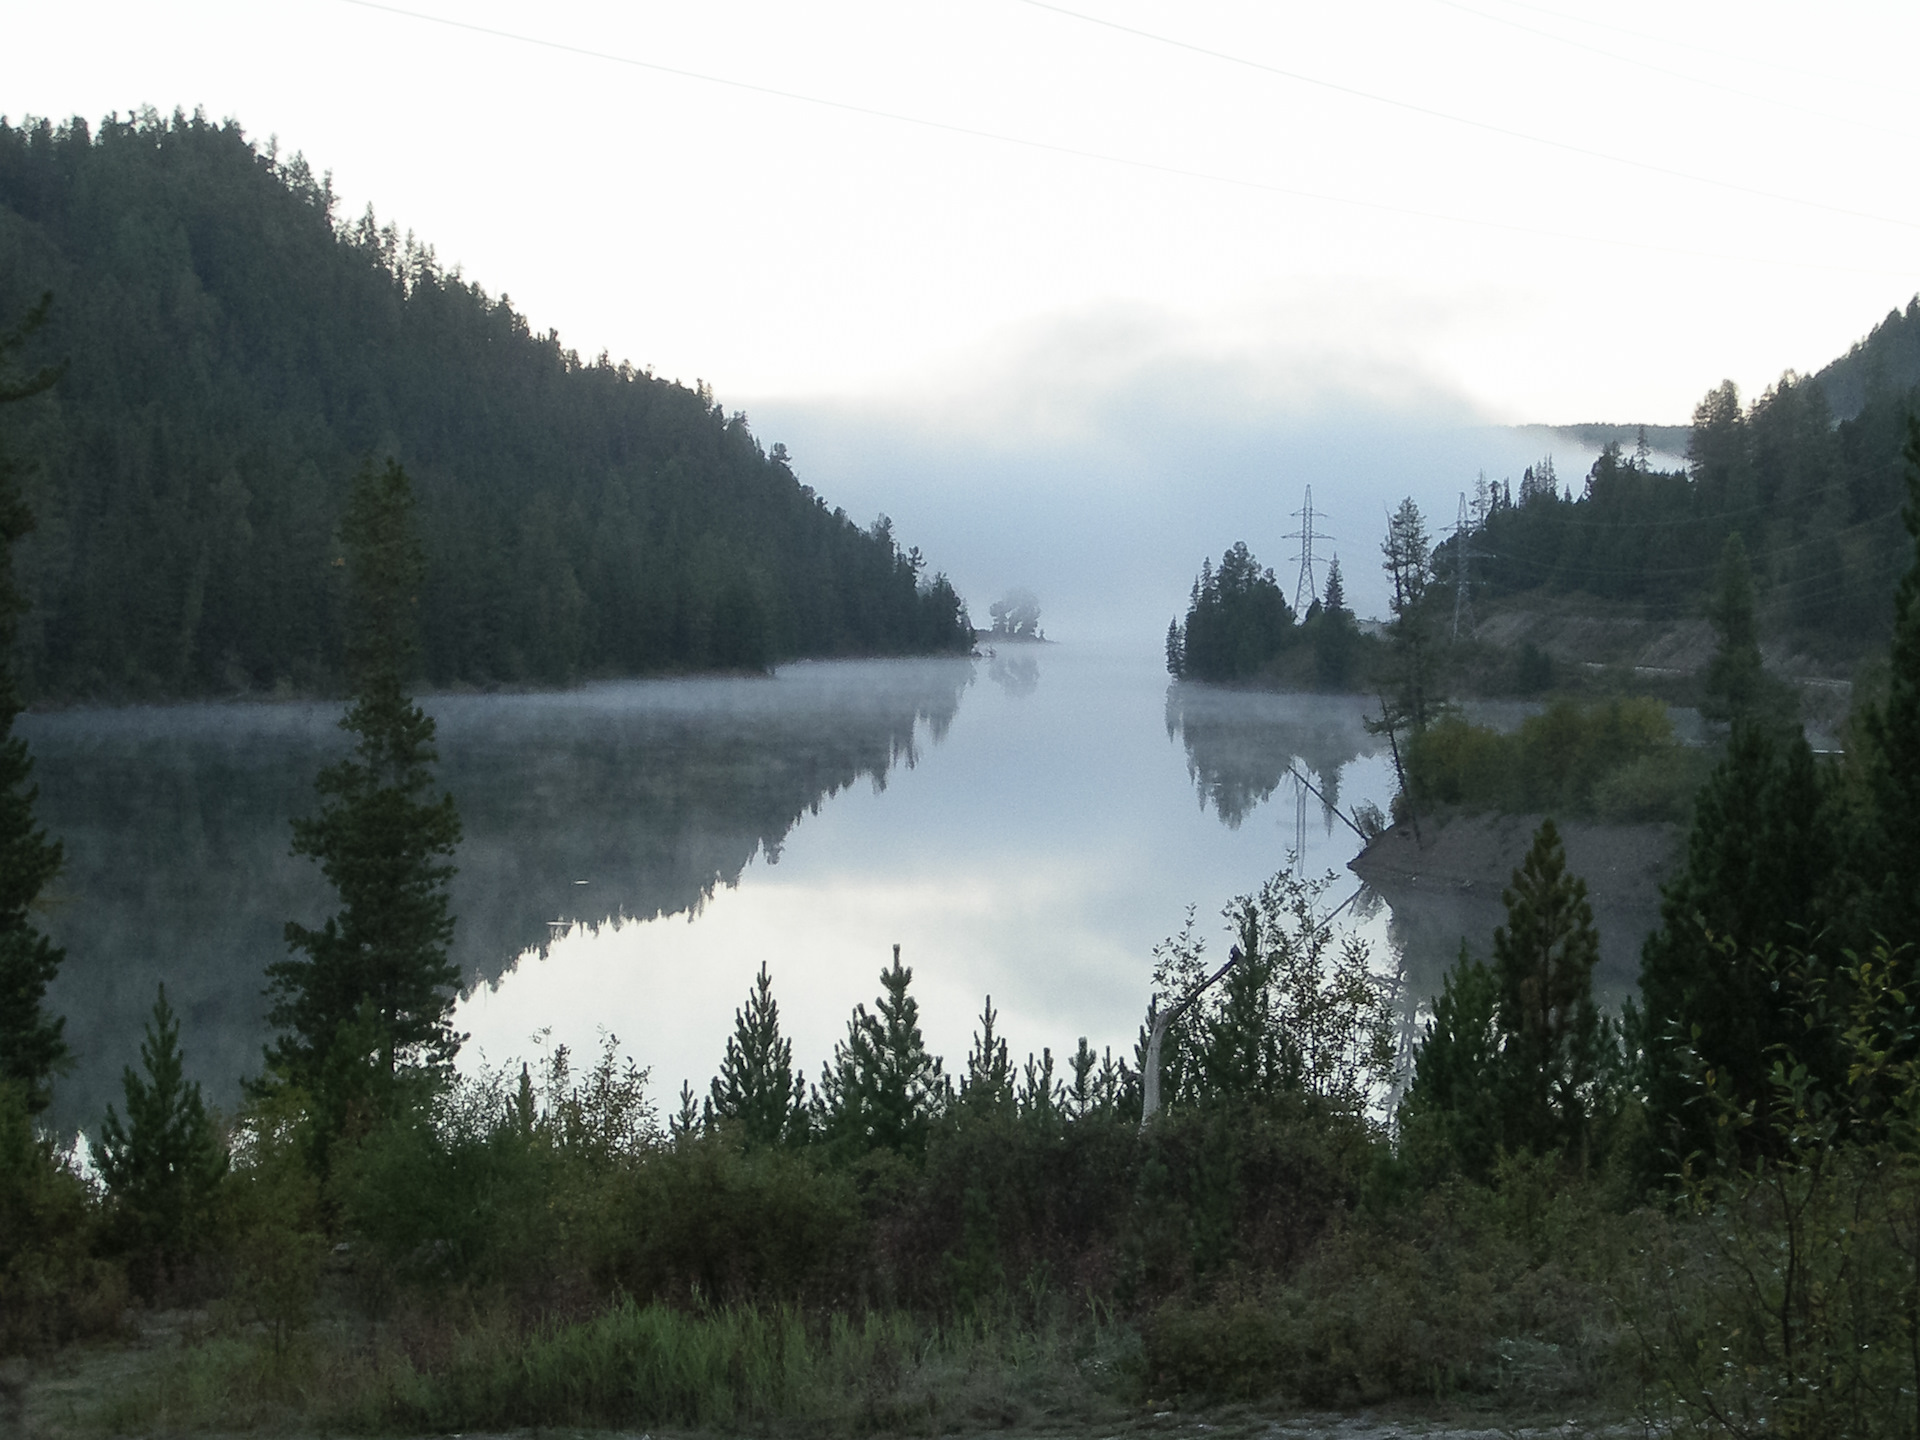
<point>1407,557</point>
<point>1761,863</point>
<point>1553,1064</point>
<point>1736,685</point>
<point>1888,856</point>
<point>32,1043</point>
<point>758,1086</point>
<point>882,1089</point>
<point>369,994</point>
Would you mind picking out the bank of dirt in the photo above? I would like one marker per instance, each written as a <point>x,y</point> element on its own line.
<point>1444,882</point>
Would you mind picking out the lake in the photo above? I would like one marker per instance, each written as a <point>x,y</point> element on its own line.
<point>1027,825</point>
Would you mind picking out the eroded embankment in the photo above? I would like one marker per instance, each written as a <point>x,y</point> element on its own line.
<point>1445,885</point>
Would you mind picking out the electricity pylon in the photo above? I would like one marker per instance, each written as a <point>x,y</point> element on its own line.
<point>1463,551</point>
<point>1307,588</point>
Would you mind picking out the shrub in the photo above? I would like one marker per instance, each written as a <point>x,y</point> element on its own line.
<point>1617,759</point>
<point>52,1289</point>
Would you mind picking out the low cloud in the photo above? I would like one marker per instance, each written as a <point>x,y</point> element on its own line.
<point>1098,458</point>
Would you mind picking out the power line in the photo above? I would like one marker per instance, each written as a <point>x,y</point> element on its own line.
<point>1671,42</point>
<point>1610,241</point>
<point>1484,125</point>
<point>1699,80</point>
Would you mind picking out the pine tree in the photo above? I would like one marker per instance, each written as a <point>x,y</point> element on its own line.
<point>1407,557</point>
<point>1450,1115</point>
<point>1552,1058</point>
<point>986,1088</point>
<point>1335,637</point>
<point>883,1090</point>
<point>1335,600</point>
<point>1889,861</point>
<point>32,1043</point>
<point>758,1086</point>
<point>162,1166</point>
<point>1761,861</point>
<point>369,994</point>
<point>1040,1099</point>
<point>1244,1054</point>
<point>1736,687</point>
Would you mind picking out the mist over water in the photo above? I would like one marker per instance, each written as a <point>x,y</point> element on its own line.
<point>654,793</point>
<point>1097,459</point>
<point>1026,825</point>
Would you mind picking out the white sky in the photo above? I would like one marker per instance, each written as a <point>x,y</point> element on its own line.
<point>1543,211</point>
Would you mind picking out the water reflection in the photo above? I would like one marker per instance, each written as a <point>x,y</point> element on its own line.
<point>655,794</point>
<point>1015,673</point>
<point>1034,843</point>
<point>1242,744</point>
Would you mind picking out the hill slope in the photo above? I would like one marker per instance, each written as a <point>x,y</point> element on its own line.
<point>1887,360</point>
<point>1816,501</point>
<point>234,352</point>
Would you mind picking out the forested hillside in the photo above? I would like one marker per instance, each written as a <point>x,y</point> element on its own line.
<point>234,351</point>
<point>1815,502</point>
<point>1888,359</point>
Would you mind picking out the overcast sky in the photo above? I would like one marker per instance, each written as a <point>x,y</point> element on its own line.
<point>1189,257</point>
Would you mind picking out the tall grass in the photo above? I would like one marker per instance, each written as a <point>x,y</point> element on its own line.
<point>733,1369</point>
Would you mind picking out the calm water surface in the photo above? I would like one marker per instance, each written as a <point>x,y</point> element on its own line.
<point>1026,826</point>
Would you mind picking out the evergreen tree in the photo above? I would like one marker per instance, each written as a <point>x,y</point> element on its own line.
<point>32,1043</point>
<point>882,1089</point>
<point>986,1088</point>
<point>758,1086</point>
<point>1736,684</point>
<point>370,993</point>
<point>1450,1115</point>
<point>1238,620</point>
<point>1336,639</point>
<point>1176,650</point>
<point>1335,600</point>
<point>162,1165</point>
<point>1761,861</point>
<point>1407,557</point>
<point>1888,862</point>
<point>1554,1060</point>
<point>1245,1053</point>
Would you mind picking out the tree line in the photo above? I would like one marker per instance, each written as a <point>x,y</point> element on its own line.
<point>1240,628</point>
<point>233,347</point>
<point>1814,498</point>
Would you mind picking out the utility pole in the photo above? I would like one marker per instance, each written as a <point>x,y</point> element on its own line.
<point>1307,588</point>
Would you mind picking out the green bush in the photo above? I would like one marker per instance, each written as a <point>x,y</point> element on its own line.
<point>1616,759</point>
<point>707,1220</point>
<point>52,1288</point>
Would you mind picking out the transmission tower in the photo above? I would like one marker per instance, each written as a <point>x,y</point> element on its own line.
<point>1463,551</point>
<point>1307,588</point>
